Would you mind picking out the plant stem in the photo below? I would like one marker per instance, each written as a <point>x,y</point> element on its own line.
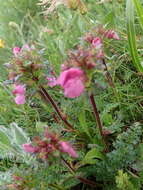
<point>99,124</point>
<point>72,170</point>
<point>110,80</point>
<point>107,74</point>
<point>48,98</point>
<point>83,180</point>
<point>87,181</point>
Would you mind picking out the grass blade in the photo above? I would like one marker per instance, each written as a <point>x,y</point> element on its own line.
<point>139,10</point>
<point>132,35</point>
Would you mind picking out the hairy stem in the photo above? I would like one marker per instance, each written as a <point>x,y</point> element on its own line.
<point>83,180</point>
<point>110,80</point>
<point>98,121</point>
<point>107,74</point>
<point>50,100</point>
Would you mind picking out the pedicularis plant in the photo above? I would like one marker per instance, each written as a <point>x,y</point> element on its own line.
<point>69,152</point>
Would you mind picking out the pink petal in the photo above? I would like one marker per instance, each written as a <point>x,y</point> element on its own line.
<point>29,148</point>
<point>72,82</point>
<point>20,99</point>
<point>19,89</point>
<point>73,88</point>
<point>16,50</point>
<point>96,43</point>
<point>69,74</point>
<point>111,34</point>
<point>67,148</point>
<point>116,37</point>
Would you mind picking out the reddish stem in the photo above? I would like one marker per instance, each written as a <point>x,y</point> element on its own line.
<point>97,117</point>
<point>107,74</point>
<point>83,180</point>
<point>48,98</point>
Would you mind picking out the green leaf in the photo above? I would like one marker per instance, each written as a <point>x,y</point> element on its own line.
<point>4,138</point>
<point>139,10</point>
<point>83,124</point>
<point>132,35</point>
<point>92,155</point>
<point>40,126</point>
<point>18,134</point>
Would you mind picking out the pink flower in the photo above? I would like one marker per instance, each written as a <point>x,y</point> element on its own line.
<point>111,34</point>
<point>29,148</point>
<point>51,81</point>
<point>19,91</point>
<point>72,80</point>
<point>16,50</point>
<point>20,99</point>
<point>96,42</point>
<point>67,148</point>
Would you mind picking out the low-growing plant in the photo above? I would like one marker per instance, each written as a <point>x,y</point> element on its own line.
<point>72,107</point>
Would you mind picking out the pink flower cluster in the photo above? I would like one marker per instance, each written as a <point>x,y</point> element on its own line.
<point>111,34</point>
<point>97,43</point>
<point>46,147</point>
<point>16,50</point>
<point>19,91</point>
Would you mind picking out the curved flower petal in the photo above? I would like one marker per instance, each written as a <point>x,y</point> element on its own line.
<point>96,43</point>
<point>20,99</point>
<point>73,88</point>
<point>29,148</point>
<point>111,34</point>
<point>72,80</point>
<point>16,50</point>
<point>69,74</point>
<point>67,148</point>
<point>19,89</point>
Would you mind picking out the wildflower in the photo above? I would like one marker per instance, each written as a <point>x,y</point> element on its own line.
<point>2,43</point>
<point>19,91</point>
<point>52,81</point>
<point>67,148</point>
<point>96,43</point>
<point>72,80</point>
<point>16,50</point>
<point>111,34</point>
<point>29,148</point>
<point>49,146</point>
<point>20,99</point>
